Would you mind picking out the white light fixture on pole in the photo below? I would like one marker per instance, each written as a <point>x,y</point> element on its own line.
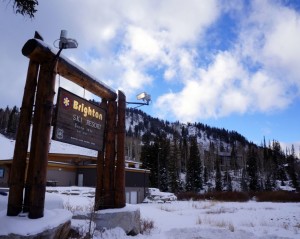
<point>142,96</point>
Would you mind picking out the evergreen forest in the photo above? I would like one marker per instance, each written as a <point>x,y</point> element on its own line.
<point>195,157</point>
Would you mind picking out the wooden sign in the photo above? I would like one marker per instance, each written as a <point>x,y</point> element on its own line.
<point>78,121</point>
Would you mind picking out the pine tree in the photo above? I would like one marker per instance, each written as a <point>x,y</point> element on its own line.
<point>218,179</point>
<point>227,181</point>
<point>291,159</point>
<point>149,158</point>
<point>244,186</point>
<point>233,157</point>
<point>161,149</point>
<point>4,119</point>
<point>1,119</point>
<point>278,162</point>
<point>12,122</point>
<point>205,175</point>
<point>184,149</point>
<point>173,177</point>
<point>268,184</point>
<point>194,181</point>
<point>252,169</point>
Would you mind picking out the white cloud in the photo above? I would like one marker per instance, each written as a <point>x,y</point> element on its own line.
<point>268,93</point>
<point>119,41</point>
<point>258,75</point>
<point>214,92</point>
<point>270,36</point>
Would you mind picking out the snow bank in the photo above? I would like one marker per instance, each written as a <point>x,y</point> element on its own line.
<point>25,226</point>
<point>54,215</point>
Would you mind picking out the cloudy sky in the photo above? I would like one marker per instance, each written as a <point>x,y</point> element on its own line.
<point>231,64</point>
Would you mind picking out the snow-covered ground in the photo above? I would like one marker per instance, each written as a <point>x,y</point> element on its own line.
<point>180,219</point>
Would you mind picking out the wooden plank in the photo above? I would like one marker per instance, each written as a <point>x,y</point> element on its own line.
<point>120,199</point>
<point>39,51</point>
<point>99,194</point>
<point>110,152</point>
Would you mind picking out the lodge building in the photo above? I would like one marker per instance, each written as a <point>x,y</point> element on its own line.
<point>70,165</point>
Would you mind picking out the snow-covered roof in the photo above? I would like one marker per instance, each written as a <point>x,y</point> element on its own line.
<point>7,148</point>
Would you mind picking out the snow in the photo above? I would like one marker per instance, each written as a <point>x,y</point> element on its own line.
<point>210,219</point>
<point>7,148</point>
<point>54,215</point>
<point>22,225</point>
<point>177,219</point>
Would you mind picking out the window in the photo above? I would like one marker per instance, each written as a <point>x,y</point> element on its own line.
<point>1,172</point>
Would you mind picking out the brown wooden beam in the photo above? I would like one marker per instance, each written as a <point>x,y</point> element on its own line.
<point>39,51</point>
<point>17,173</point>
<point>120,199</point>
<point>15,199</point>
<point>99,195</point>
<point>41,139</point>
<point>110,153</point>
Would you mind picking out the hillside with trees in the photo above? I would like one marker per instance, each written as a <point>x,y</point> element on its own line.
<point>196,157</point>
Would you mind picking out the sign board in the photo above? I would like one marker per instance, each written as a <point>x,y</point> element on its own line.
<point>78,121</point>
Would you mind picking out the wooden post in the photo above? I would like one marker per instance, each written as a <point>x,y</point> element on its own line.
<point>17,174</point>
<point>18,168</point>
<point>41,54</point>
<point>99,195</point>
<point>120,200</point>
<point>110,143</point>
<point>41,139</point>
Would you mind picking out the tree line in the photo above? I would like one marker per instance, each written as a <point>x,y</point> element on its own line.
<point>178,160</point>
<point>9,120</point>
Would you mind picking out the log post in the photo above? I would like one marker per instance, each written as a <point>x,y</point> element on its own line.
<point>41,139</point>
<point>120,200</point>
<point>110,152</point>
<point>18,168</point>
<point>99,195</point>
<point>41,55</point>
<point>17,175</point>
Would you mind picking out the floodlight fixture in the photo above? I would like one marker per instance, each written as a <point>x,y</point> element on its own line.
<point>142,96</point>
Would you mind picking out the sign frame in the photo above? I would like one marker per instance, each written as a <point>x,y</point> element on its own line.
<point>78,121</point>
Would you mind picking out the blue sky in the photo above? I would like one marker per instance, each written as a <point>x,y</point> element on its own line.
<point>226,63</point>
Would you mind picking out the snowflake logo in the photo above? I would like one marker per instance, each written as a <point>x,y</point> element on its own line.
<point>66,102</point>
<point>60,133</point>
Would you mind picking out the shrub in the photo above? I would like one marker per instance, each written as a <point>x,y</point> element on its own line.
<point>219,196</point>
<point>147,226</point>
<point>277,196</point>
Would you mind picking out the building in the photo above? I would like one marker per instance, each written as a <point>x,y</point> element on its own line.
<point>70,165</point>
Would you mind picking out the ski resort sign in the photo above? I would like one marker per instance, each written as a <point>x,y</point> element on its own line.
<point>78,121</point>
